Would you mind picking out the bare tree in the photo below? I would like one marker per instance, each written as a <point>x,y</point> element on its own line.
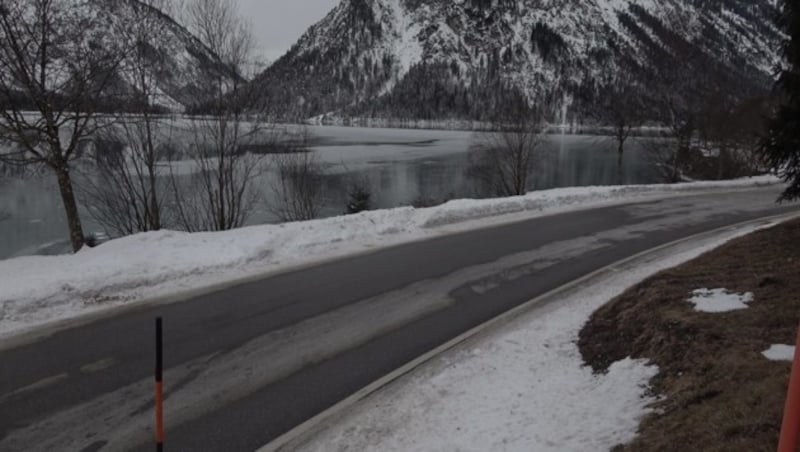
<point>622,108</point>
<point>221,193</point>
<point>297,190</point>
<point>730,130</point>
<point>219,25</point>
<point>127,192</point>
<point>503,159</point>
<point>55,70</point>
<point>707,135</point>
<point>671,152</point>
<point>126,195</point>
<point>699,106</point>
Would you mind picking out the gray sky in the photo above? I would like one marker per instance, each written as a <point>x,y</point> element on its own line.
<point>279,23</point>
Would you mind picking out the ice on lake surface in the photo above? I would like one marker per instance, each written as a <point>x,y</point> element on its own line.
<point>399,165</point>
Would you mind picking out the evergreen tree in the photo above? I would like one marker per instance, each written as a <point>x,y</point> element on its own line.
<point>781,147</point>
<point>358,199</point>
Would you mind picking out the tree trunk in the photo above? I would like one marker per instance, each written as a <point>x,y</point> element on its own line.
<point>721,162</point>
<point>620,152</point>
<point>70,207</point>
<point>675,172</point>
<point>155,207</point>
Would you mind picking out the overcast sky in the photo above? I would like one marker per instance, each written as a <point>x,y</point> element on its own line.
<point>279,23</point>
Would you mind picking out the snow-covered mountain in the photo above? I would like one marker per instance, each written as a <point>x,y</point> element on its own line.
<point>463,58</point>
<point>186,67</point>
<point>179,66</point>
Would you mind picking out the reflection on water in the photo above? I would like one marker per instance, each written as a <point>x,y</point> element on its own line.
<point>400,166</point>
<point>30,216</point>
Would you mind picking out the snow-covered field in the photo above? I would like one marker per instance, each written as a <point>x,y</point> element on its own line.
<point>518,387</point>
<point>143,268</point>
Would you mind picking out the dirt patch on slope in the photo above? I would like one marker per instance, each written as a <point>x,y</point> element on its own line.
<point>717,391</point>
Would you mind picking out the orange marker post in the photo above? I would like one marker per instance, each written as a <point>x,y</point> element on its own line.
<point>159,389</point>
<point>791,412</point>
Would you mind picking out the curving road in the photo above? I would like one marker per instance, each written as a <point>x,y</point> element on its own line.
<point>249,363</point>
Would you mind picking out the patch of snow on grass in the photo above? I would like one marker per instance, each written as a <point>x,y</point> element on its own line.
<point>719,300</point>
<point>779,352</point>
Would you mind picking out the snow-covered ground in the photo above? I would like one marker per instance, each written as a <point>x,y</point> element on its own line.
<point>719,300</point>
<point>521,386</point>
<point>141,268</point>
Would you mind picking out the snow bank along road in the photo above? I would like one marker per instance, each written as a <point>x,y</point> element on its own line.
<point>248,363</point>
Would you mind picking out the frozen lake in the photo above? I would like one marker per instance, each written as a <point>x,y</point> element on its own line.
<point>400,165</point>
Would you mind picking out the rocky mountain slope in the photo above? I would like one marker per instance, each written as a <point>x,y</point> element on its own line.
<point>176,66</point>
<point>437,59</point>
<point>182,66</point>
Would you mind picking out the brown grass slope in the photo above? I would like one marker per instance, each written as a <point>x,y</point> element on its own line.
<point>716,390</point>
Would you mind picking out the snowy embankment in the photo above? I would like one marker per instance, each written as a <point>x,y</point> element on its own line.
<point>519,386</point>
<point>42,289</point>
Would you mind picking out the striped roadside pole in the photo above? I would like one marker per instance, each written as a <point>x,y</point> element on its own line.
<point>791,412</point>
<point>159,387</point>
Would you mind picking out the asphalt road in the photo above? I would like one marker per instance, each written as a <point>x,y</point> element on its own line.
<point>249,363</point>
